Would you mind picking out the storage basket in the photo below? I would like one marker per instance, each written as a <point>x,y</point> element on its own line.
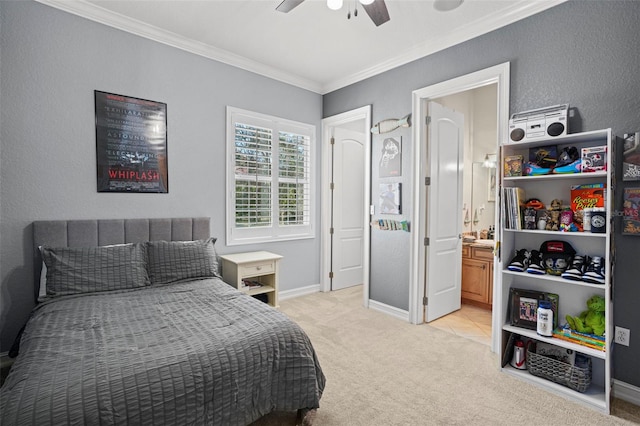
<point>571,376</point>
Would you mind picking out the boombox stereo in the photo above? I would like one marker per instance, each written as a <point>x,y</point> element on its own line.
<point>538,124</point>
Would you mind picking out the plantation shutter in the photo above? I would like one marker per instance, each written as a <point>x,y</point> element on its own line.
<point>293,184</point>
<point>253,175</point>
<point>269,178</point>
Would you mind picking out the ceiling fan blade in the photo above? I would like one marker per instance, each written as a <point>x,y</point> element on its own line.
<point>287,5</point>
<point>377,11</point>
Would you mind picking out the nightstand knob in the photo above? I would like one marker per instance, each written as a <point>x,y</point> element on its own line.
<point>258,268</point>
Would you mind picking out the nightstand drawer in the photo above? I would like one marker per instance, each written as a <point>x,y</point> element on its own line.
<point>257,268</point>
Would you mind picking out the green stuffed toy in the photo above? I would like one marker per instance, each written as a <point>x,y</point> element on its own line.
<point>592,320</point>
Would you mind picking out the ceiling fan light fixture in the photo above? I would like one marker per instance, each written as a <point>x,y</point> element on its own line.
<point>334,4</point>
<point>366,1</point>
<point>446,5</point>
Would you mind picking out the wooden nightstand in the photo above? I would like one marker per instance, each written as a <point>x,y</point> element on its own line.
<point>258,266</point>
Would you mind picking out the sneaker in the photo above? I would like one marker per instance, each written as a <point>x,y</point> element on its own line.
<point>594,272</point>
<point>567,156</point>
<point>520,262</point>
<point>535,263</point>
<point>574,167</point>
<point>577,268</point>
<point>532,169</point>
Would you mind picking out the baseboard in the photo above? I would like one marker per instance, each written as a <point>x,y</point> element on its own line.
<point>626,392</point>
<point>297,292</point>
<point>389,310</point>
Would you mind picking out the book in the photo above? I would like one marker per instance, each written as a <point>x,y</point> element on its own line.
<point>631,211</point>
<point>249,284</point>
<point>513,206</point>
<point>594,159</point>
<point>587,196</point>
<point>513,165</point>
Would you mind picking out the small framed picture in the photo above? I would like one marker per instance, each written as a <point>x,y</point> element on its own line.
<point>523,305</point>
<point>390,198</point>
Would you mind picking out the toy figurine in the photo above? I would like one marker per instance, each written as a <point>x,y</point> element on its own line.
<point>553,223</point>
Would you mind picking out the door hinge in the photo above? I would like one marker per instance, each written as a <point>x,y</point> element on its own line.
<point>425,300</point>
<point>331,275</point>
<point>331,231</point>
<point>427,120</point>
<point>427,180</point>
<point>333,140</point>
<point>331,186</point>
<point>426,241</point>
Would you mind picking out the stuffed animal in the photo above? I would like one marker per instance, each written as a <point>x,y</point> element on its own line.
<point>592,320</point>
<point>553,224</point>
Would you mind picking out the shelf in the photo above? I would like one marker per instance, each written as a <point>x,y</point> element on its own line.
<point>594,397</point>
<point>572,293</point>
<point>258,290</point>
<point>557,342</point>
<point>553,278</point>
<point>558,176</point>
<point>559,233</point>
<point>574,138</point>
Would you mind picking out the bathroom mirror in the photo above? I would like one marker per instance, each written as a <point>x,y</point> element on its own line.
<point>481,213</point>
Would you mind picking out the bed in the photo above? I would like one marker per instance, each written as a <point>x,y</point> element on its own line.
<point>137,327</point>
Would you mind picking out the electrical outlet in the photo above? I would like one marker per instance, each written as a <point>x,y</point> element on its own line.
<point>622,336</point>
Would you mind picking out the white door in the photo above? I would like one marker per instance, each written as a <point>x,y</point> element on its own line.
<point>348,209</point>
<point>444,211</point>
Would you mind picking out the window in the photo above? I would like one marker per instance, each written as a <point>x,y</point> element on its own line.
<point>269,178</point>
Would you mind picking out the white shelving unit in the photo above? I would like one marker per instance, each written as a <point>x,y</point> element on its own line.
<point>572,294</point>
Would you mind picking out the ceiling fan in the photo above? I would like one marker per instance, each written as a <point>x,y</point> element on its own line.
<point>376,9</point>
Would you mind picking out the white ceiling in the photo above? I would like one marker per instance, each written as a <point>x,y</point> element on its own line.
<point>310,47</point>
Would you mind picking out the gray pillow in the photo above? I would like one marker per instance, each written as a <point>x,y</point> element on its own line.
<point>72,270</point>
<point>171,261</point>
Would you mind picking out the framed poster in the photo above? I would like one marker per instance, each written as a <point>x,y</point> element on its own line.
<point>131,144</point>
<point>390,198</point>
<point>391,158</point>
<point>631,211</point>
<point>631,157</point>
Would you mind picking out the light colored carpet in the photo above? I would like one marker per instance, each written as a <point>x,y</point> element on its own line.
<point>383,371</point>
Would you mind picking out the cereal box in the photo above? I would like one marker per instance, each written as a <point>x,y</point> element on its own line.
<point>587,196</point>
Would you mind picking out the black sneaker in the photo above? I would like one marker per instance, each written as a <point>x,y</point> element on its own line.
<point>520,262</point>
<point>594,273</point>
<point>577,268</point>
<point>535,263</point>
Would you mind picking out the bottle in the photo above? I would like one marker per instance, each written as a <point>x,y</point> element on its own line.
<point>586,219</point>
<point>519,359</point>
<point>545,318</point>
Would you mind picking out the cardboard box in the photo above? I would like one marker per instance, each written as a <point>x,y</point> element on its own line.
<point>513,165</point>
<point>594,159</point>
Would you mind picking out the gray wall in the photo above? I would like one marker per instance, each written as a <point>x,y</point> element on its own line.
<point>51,62</point>
<point>584,53</point>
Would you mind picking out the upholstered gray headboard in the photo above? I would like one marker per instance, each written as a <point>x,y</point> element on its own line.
<point>101,232</point>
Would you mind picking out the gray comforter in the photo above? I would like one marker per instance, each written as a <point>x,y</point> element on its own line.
<point>196,352</point>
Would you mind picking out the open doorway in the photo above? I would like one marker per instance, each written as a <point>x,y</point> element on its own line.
<point>498,76</point>
<point>346,141</point>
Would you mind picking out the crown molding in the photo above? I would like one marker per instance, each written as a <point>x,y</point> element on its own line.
<point>84,9</point>
<point>103,16</point>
